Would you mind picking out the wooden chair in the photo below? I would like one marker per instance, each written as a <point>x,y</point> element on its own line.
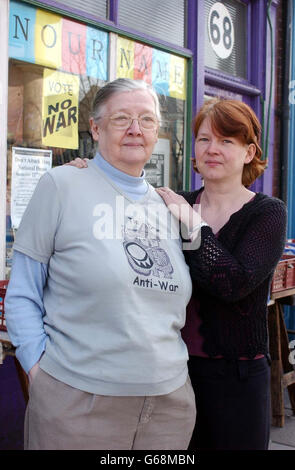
<point>282,370</point>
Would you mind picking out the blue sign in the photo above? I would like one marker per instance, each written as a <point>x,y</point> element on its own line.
<point>22,32</point>
<point>96,53</point>
<point>161,72</point>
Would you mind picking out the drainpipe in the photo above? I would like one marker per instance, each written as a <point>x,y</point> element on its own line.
<point>285,179</point>
<point>267,123</point>
<point>285,110</point>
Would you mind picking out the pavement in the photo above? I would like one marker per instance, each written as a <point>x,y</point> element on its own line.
<point>284,438</point>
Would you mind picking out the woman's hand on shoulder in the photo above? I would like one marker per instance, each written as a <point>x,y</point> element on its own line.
<point>170,197</point>
<point>79,162</point>
<point>179,207</point>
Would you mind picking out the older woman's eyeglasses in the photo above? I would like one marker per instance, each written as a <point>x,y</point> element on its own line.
<point>146,122</point>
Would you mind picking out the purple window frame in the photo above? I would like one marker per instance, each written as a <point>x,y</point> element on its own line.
<point>251,89</point>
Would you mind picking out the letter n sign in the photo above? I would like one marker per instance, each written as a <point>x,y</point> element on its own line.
<point>22,32</point>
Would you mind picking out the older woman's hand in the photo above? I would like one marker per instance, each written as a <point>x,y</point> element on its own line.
<point>79,162</point>
<point>33,372</point>
<point>180,208</point>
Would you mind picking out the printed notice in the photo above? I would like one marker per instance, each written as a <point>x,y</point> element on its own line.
<point>60,109</point>
<point>28,165</point>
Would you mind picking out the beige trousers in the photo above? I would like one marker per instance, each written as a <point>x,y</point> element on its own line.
<point>61,417</point>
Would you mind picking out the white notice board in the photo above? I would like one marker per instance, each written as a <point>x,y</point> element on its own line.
<point>28,165</point>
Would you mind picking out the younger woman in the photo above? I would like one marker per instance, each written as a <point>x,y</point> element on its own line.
<point>242,239</point>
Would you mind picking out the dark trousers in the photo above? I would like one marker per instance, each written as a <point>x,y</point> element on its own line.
<point>233,404</point>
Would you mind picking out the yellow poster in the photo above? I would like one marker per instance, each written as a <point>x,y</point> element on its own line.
<point>48,41</point>
<point>60,109</point>
<point>177,84</point>
<point>125,58</point>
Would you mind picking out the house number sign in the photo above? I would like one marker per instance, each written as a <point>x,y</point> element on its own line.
<point>221,30</point>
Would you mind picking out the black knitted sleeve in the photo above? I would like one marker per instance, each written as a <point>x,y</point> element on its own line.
<point>234,272</point>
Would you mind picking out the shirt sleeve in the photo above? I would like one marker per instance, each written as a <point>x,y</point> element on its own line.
<point>35,236</point>
<point>232,275</point>
<point>24,309</point>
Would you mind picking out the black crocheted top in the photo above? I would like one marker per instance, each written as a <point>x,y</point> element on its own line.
<point>232,274</point>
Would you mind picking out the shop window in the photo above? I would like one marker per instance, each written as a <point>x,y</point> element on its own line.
<point>56,66</point>
<point>161,19</point>
<point>98,8</point>
<point>226,37</point>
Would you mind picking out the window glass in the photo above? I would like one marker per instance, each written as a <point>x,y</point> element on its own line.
<point>161,19</point>
<point>93,7</point>
<point>226,37</point>
<point>56,66</point>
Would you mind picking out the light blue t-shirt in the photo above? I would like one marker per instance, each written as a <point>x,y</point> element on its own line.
<point>113,308</point>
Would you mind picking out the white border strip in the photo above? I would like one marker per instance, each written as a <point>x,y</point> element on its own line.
<point>4,26</point>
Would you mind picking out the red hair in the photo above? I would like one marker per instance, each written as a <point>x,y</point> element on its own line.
<point>236,119</point>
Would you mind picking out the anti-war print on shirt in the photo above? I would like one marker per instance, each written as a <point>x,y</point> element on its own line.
<point>147,258</point>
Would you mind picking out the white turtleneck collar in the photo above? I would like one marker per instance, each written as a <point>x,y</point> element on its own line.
<point>133,186</point>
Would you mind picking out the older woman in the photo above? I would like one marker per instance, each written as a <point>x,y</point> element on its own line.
<point>95,325</point>
<point>242,239</point>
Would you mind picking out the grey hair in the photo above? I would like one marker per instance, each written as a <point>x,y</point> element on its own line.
<point>121,85</point>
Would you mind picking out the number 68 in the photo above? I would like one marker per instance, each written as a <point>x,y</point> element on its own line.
<point>221,30</point>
